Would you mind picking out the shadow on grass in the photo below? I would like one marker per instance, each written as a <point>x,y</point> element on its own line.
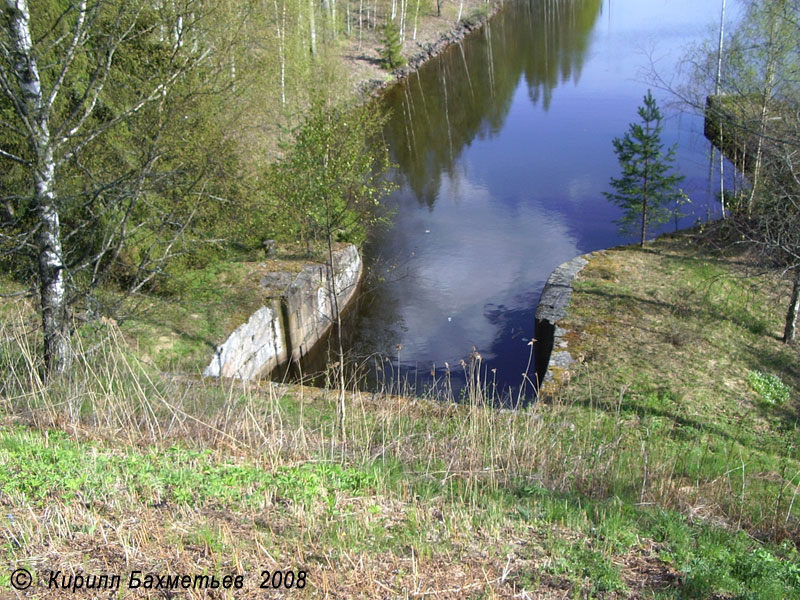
<point>378,62</point>
<point>642,409</point>
<point>784,363</point>
<point>626,298</point>
<point>737,315</point>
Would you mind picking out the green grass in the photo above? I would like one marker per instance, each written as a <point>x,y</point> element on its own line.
<point>37,467</point>
<point>667,467</point>
<point>177,327</point>
<point>683,344</point>
<point>378,507</point>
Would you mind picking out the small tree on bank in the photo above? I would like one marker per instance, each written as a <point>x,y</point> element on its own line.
<point>646,187</point>
<point>331,182</point>
<point>392,51</point>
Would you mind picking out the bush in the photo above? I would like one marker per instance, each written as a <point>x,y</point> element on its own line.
<point>770,389</point>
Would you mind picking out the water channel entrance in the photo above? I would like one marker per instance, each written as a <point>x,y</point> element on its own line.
<point>503,149</point>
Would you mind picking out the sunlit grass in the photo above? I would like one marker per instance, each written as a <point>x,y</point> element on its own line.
<point>642,475</point>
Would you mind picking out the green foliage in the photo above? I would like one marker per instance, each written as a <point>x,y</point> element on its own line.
<point>36,467</point>
<point>140,178</point>
<point>646,188</point>
<point>312,482</point>
<point>332,178</point>
<point>761,54</point>
<point>717,561</point>
<point>770,389</point>
<point>392,50</point>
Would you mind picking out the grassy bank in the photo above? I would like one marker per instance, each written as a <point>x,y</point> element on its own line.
<point>681,350</point>
<point>661,469</point>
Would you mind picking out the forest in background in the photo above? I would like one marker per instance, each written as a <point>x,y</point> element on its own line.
<point>240,77</point>
<point>146,138</point>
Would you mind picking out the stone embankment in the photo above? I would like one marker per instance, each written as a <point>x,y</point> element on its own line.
<point>293,319</point>
<point>552,353</point>
<point>432,49</point>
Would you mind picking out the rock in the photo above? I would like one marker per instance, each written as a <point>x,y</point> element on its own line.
<point>551,310</point>
<point>269,248</point>
<point>251,348</point>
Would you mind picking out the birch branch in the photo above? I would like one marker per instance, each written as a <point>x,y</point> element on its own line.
<point>77,39</point>
<point>14,158</point>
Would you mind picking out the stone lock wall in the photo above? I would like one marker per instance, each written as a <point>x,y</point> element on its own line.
<point>288,326</point>
<point>551,347</point>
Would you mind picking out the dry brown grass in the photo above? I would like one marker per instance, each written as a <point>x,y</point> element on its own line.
<point>461,500</point>
<point>457,545</point>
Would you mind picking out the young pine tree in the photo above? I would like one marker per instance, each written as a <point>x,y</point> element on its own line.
<point>647,186</point>
<point>391,53</point>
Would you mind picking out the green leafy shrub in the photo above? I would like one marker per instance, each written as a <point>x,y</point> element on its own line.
<point>770,389</point>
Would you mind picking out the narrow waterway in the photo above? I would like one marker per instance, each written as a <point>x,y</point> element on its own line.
<point>503,152</point>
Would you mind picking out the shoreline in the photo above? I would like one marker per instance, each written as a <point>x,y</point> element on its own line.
<point>373,87</point>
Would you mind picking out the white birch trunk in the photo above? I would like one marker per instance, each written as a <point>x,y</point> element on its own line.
<point>360,22</point>
<point>312,27</point>
<point>766,97</point>
<point>403,11</point>
<point>280,20</point>
<point>34,111</point>
<point>717,84</point>
<point>57,351</point>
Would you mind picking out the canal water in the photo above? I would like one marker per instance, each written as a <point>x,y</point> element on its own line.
<point>503,147</point>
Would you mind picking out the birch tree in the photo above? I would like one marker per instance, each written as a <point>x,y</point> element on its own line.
<point>333,181</point>
<point>22,84</point>
<point>760,108</point>
<point>64,99</point>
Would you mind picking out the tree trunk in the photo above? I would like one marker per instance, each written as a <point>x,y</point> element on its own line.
<point>644,208</point>
<point>312,27</point>
<point>717,85</point>
<point>280,20</point>
<point>35,113</point>
<point>766,97</point>
<point>337,317</point>
<point>790,332</point>
<point>360,21</point>
<point>57,351</point>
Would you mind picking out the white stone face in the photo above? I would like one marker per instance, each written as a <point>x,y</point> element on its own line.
<point>250,348</point>
<point>259,345</point>
<point>324,308</point>
<point>348,272</point>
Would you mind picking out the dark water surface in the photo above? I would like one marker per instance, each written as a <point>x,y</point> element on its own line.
<point>503,147</point>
